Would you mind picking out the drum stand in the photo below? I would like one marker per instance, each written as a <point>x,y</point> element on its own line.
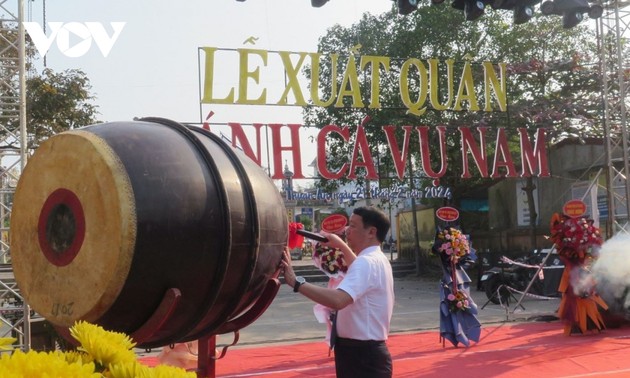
<point>206,360</point>
<point>207,357</point>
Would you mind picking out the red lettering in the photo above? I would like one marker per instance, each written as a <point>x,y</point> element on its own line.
<point>206,124</point>
<point>293,148</point>
<point>478,151</point>
<point>322,164</point>
<point>425,153</point>
<point>398,158</point>
<point>361,147</point>
<point>533,160</point>
<point>502,151</point>
<point>238,135</point>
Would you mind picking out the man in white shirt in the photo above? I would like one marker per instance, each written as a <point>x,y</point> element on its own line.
<point>364,300</point>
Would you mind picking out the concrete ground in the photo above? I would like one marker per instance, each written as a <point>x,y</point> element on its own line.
<point>290,317</point>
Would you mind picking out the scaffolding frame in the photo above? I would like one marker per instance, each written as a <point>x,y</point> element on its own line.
<point>612,27</point>
<point>14,312</point>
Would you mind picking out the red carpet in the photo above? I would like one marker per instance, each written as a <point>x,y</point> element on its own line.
<point>518,350</point>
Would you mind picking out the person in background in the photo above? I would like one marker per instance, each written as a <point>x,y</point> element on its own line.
<point>364,300</point>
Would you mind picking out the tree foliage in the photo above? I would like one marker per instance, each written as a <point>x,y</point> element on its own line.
<point>55,101</point>
<point>553,78</point>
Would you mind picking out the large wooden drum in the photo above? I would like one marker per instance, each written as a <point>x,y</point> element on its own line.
<point>109,218</point>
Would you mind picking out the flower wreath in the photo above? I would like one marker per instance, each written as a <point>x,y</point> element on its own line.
<point>458,301</point>
<point>575,238</point>
<point>452,246</point>
<point>452,243</point>
<point>330,261</point>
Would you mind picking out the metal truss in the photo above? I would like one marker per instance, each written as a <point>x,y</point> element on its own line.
<point>14,312</point>
<point>613,30</point>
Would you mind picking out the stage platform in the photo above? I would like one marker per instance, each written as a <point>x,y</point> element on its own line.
<point>532,349</point>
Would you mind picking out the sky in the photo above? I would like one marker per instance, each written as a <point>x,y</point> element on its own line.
<point>152,68</point>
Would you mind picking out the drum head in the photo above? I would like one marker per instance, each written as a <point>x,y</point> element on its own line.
<point>73,202</point>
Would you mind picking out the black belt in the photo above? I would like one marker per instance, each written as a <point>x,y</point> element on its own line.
<point>357,343</point>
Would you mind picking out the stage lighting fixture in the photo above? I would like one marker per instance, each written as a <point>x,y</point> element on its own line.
<point>523,9</point>
<point>407,6</point>
<point>473,9</point>
<point>596,11</point>
<point>571,19</point>
<point>523,14</point>
<point>318,3</point>
<point>572,11</point>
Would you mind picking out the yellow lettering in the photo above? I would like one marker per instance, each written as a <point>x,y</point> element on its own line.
<point>208,81</point>
<point>315,72</point>
<point>435,84</point>
<point>245,75</point>
<point>350,85</point>
<point>413,107</point>
<point>291,74</point>
<point>375,62</point>
<point>466,91</point>
<point>491,81</point>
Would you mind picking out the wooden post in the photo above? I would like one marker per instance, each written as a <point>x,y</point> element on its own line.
<point>206,361</point>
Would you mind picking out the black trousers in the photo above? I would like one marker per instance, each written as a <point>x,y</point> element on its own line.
<point>362,359</point>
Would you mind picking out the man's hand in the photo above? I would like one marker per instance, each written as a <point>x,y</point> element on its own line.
<point>334,241</point>
<point>331,298</point>
<point>287,268</point>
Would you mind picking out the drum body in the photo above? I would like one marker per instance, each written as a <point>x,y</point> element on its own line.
<point>106,219</point>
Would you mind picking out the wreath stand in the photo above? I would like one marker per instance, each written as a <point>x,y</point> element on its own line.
<point>526,291</point>
<point>531,282</point>
<point>206,359</point>
<point>497,294</point>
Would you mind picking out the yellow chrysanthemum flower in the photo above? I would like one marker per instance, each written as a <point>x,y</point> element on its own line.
<point>6,343</point>
<point>74,356</point>
<point>128,370</point>
<point>106,347</point>
<point>40,364</point>
<point>101,354</point>
<point>165,371</point>
<point>136,370</point>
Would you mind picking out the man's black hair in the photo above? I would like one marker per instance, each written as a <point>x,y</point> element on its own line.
<point>374,217</point>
